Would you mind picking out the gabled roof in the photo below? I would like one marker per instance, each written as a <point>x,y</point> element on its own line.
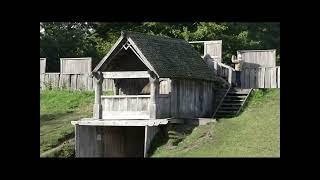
<point>168,57</point>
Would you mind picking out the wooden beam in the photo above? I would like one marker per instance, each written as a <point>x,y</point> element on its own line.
<point>97,108</point>
<point>125,96</point>
<point>126,74</point>
<point>120,122</point>
<point>154,91</point>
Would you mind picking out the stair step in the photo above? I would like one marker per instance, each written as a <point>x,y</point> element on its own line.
<point>236,96</point>
<point>228,107</point>
<point>233,100</point>
<point>226,111</point>
<point>231,104</point>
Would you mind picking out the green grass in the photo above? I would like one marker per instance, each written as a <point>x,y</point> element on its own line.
<point>254,133</point>
<point>57,109</point>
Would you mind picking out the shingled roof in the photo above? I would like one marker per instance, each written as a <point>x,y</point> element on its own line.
<point>169,57</point>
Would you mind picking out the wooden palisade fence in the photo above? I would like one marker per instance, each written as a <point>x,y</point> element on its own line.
<point>262,77</point>
<point>72,82</point>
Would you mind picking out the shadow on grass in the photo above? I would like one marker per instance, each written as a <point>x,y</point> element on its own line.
<point>171,134</point>
<point>53,116</point>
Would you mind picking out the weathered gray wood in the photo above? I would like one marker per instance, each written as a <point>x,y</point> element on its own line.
<point>42,81</point>
<point>154,91</point>
<point>73,81</point>
<point>75,65</point>
<point>150,133</point>
<point>230,76</point>
<point>242,78</point>
<point>126,74</point>
<point>77,140</point>
<point>121,122</point>
<point>43,62</point>
<point>214,49</point>
<point>97,109</point>
<point>257,58</point>
<point>126,107</point>
<point>252,77</point>
<point>273,77</point>
<point>278,74</point>
<point>267,78</point>
<point>247,78</point>
<point>82,82</point>
<point>65,81</point>
<point>262,77</point>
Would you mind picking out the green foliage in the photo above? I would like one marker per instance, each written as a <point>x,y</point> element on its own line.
<point>95,39</point>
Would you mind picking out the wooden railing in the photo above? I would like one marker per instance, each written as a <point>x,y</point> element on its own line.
<point>125,107</point>
<point>224,71</point>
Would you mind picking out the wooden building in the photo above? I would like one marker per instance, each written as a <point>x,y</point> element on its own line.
<point>256,58</point>
<point>157,79</point>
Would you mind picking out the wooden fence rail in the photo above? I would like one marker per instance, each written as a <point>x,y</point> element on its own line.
<point>224,71</point>
<point>262,77</point>
<point>72,81</point>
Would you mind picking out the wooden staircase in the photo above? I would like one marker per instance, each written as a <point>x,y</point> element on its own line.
<point>232,103</point>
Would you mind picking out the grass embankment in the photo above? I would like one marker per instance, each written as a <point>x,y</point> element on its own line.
<point>57,109</point>
<point>254,133</point>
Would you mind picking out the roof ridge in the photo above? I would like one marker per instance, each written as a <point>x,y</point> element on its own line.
<point>127,33</point>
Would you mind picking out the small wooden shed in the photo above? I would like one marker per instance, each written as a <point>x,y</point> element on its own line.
<point>157,79</point>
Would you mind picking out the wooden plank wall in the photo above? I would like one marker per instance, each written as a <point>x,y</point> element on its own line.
<point>191,98</point>
<point>102,141</point>
<point>257,58</point>
<point>150,133</point>
<point>163,106</point>
<point>263,77</point>
<point>214,49</point>
<point>43,65</point>
<point>75,65</point>
<point>125,107</point>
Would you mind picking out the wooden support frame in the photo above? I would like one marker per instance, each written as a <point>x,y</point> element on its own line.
<point>97,108</point>
<point>154,91</point>
<point>126,74</point>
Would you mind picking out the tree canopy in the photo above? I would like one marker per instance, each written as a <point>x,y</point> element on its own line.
<point>94,39</point>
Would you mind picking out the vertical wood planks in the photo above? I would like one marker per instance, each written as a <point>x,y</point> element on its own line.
<point>252,77</point>
<point>273,77</point>
<point>267,78</point>
<point>247,78</point>
<point>278,74</point>
<point>262,75</point>
<point>242,78</point>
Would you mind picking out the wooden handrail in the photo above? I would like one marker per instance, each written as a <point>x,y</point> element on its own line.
<point>221,101</point>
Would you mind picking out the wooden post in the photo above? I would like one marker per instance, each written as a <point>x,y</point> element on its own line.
<point>97,108</point>
<point>230,76</point>
<point>215,66</point>
<point>154,91</point>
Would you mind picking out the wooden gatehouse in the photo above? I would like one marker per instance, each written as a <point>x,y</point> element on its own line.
<point>157,79</point>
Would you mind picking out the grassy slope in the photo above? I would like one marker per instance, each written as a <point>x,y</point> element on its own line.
<point>57,110</point>
<point>254,133</point>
